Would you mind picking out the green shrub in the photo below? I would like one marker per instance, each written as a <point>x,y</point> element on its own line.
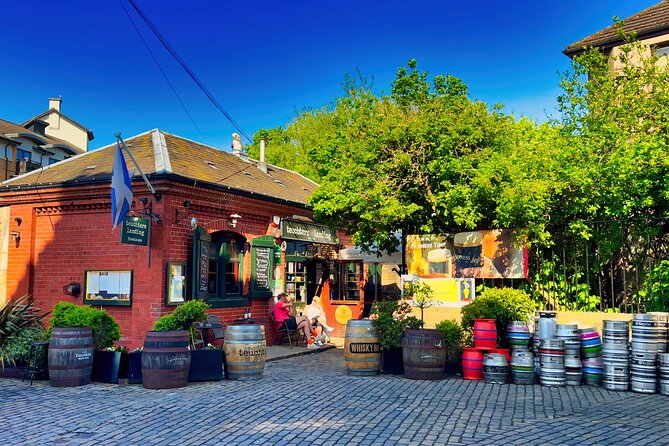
<point>502,304</point>
<point>18,316</point>
<point>183,317</point>
<point>391,318</point>
<point>105,328</point>
<point>166,323</point>
<point>17,348</point>
<point>453,337</point>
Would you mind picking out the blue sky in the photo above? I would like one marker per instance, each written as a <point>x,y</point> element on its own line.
<point>263,61</point>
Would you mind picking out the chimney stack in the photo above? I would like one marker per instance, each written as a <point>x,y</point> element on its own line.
<point>54,103</point>
<point>262,165</point>
<point>237,146</point>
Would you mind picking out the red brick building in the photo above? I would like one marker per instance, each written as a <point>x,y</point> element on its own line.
<point>221,228</point>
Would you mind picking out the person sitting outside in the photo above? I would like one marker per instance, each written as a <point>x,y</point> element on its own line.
<point>316,315</point>
<point>283,315</point>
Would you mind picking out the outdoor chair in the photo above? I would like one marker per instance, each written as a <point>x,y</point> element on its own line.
<point>218,328</point>
<point>285,331</point>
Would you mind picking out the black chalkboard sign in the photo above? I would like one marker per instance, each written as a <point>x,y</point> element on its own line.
<point>262,268</point>
<point>204,266</point>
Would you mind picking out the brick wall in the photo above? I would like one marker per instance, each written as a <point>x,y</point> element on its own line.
<point>68,231</point>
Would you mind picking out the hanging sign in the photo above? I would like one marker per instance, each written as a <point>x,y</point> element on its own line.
<point>135,231</point>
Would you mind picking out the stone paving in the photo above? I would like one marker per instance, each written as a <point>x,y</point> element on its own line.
<point>310,400</point>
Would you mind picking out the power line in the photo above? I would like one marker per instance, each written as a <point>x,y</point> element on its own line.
<point>162,71</point>
<point>188,70</point>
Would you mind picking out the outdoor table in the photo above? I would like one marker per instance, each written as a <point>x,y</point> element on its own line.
<point>205,327</point>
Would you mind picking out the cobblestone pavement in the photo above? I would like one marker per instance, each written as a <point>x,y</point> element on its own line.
<point>310,400</point>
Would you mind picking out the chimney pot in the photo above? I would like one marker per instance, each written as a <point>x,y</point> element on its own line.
<point>55,103</point>
<point>262,165</point>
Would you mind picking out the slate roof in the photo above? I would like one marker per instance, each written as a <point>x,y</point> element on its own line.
<point>9,128</point>
<point>650,22</point>
<point>158,152</point>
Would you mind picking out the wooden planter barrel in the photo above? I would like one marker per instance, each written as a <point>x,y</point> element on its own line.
<point>424,354</point>
<point>362,350</point>
<point>70,356</point>
<point>165,359</point>
<point>245,351</point>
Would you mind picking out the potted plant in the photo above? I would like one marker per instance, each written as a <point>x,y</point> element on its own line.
<point>20,326</point>
<point>391,318</point>
<point>502,304</point>
<point>166,368</point>
<point>105,329</point>
<point>453,335</point>
<point>206,364</point>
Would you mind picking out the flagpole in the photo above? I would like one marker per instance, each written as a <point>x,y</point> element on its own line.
<point>146,180</point>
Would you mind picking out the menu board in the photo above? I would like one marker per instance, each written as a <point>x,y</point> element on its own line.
<point>204,266</point>
<point>262,268</point>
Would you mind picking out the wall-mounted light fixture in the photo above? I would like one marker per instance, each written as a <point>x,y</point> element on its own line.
<point>178,218</point>
<point>72,289</point>
<point>18,221</point>
<point>233,222</point>
<point>16,235</point>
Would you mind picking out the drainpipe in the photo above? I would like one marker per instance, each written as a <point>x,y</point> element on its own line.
<point>262,165</point>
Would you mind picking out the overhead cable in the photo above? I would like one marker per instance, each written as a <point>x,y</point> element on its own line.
<point>188,70</point>
<point>162,71</point>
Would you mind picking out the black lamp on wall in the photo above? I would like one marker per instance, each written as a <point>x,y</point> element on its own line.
<point>72,289</point>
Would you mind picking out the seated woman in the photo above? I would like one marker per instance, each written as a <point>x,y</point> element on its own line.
<point>283,315</point>
<point>316,315</point>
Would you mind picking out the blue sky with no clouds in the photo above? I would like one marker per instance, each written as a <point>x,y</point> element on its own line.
<point>263,61</point>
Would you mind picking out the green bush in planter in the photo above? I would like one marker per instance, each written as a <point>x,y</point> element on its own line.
<point>453,337</point>
<point>502,304</point>
<point>20,322</point>
<point>391,318</point>
<point>105,329</point>
<point>183,317</point>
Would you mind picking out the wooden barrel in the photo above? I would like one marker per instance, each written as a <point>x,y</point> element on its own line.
<point>424,354</point>
<point>245,351</point>
<point>485,333</point>
<point>70,356</point>
<point>165,359</point>
<point>362,350</point>
<point>472,364</point>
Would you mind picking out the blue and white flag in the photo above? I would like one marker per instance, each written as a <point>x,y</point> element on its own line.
<point>121,196</point>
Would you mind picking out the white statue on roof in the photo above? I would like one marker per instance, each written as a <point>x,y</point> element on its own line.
<point>237,146</point>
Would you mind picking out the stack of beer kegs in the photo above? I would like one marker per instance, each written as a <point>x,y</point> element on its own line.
<point>551,353</point>
<point>591,356</point>
<point>544,326</point>
<point>663,359</point>
<point>518,335</point>
<point>615,355</point>
<point>644,353</point>
<point>662,320</point>
<point>572,358</point>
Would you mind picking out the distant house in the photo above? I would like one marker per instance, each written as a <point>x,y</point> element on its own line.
<point>24,149</point>
<point>62,126</point>
<point>651,27</point>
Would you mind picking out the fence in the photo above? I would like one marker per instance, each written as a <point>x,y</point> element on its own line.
<point>601,265</point>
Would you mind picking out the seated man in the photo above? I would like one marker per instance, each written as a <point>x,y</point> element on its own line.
<point>283,315</point>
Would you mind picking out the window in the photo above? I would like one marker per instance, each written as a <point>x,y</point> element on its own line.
<point>52,161</point>
<point>218,276</point>
<point>662,49</point>
<point>22,154</point>
<point>345,281</point>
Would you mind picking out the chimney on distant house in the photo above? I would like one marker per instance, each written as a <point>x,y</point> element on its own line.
<point>54,103</point>
<point>262,165</point>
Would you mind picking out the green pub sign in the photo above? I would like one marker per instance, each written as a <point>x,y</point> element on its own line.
<point>135,231</point>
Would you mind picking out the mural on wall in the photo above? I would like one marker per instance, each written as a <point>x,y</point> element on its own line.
<point>449,263</point>
<point>485,254</point>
